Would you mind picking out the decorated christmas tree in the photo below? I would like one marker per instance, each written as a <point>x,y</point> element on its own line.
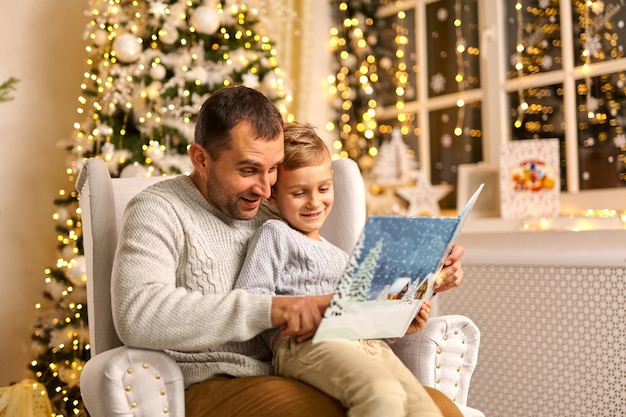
<point>149,67</point>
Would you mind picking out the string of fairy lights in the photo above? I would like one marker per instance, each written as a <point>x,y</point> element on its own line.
<point>459,50</point>
<point>587,61</point>
<point>401,72</point>
<point>519,65</point>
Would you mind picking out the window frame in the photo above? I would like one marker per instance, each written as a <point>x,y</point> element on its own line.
<point>493,95</point>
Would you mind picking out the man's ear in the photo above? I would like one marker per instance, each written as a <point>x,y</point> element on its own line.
<point>199,158</point>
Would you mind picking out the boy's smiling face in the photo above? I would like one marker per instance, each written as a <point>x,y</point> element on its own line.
<point>305,196</point>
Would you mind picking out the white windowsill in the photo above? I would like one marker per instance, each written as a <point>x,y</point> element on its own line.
<point>506,242</point>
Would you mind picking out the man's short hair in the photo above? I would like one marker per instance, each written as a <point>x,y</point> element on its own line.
<point>227,108</point>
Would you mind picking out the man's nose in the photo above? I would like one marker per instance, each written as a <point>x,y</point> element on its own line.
<point>263,186</point>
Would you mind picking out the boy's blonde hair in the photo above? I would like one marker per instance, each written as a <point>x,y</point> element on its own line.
<point>303,147</point>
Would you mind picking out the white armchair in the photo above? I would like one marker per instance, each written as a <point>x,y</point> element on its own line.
<point>123,381</point>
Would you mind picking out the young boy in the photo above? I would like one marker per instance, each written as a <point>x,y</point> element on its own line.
<point>291,258</point>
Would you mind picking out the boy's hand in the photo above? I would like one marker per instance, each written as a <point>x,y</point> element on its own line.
<point>420,320</point>
<point>451,275</point>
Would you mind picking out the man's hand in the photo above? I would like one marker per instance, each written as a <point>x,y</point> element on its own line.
<point>420,320</point>
<point>451,275</point>
<point>298,316</point>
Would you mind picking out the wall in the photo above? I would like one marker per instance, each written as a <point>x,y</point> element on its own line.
<point>311,87</point>
<point>41,44</point>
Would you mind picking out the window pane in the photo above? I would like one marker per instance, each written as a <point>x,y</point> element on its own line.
<point>533,37</point>
<point>601,103</point>
<point>455,138</point>
<point>397,56</point>
<point>540,115</point>
<point>452,36</point>
<point>599,31</point>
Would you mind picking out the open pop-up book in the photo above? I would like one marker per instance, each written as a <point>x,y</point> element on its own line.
<point>391,272</point>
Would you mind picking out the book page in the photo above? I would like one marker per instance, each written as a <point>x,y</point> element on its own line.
<point>390,272</point>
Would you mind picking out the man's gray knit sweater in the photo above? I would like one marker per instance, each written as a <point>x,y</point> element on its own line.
<point>172,284</point>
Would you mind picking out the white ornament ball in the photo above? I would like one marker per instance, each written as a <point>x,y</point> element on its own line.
<point>134,170</point>
<point>205,19</point>
<point>127,48</point>
<point>168,34</point>
<point>100,37</point>
<point>157,72</point>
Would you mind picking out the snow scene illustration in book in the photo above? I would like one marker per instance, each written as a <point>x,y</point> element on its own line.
<point>391,271</point>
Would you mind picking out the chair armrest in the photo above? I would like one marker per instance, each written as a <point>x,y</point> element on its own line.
<point>132,382</point>
<point>443,355</point>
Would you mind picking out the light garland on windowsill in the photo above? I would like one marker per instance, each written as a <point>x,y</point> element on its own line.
<point>586,220</point>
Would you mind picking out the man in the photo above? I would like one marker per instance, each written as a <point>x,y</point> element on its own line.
<point>180,249</point>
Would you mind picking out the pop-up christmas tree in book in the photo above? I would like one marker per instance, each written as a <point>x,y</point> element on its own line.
<point>391,272</point>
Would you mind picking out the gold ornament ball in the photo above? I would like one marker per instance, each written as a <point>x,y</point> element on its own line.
<point>366,162</point>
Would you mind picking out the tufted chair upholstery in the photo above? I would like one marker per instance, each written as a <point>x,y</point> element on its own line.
<point>123,381</point>
<point>443,356</point>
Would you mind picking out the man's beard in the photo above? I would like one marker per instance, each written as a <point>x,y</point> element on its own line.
<point>228,203</point>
